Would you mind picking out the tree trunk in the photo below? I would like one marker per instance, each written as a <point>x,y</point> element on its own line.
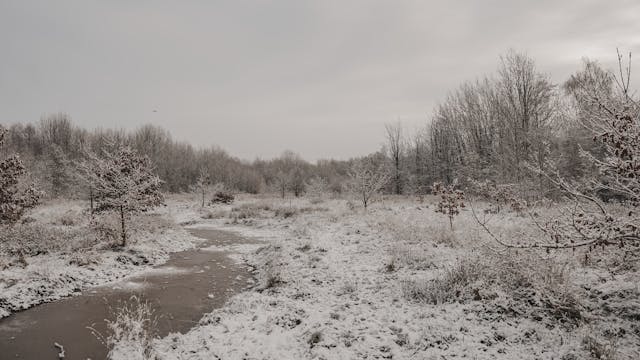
<point>203,198</point>
<point>91,199</point>
<point>398,185</point>
<point>365,200</point>
<point>122,226</point>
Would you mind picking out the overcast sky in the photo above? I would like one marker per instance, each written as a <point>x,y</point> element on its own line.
<point>258,77</point>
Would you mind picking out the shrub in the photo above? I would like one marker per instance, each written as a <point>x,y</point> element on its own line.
<point>286,212</point>
<point>34,239</point>
<point>131,333</point>
<point>84,258</point>
<point>454,284</point>
<point>222,197</point>
<point>244,211</point>
<point>105,229</point>
<point>217,214</point>
<point>270,276</point>
<point>411,256</point>
<point>524,284</point>
<point>152,223</point>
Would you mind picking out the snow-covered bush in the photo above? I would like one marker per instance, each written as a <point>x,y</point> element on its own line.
<point>222,197</point>
<point>105,229</point>
<point>520,283</point>
<point>34,239</point>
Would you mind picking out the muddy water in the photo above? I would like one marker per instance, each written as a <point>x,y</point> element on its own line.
<point>189,285</point>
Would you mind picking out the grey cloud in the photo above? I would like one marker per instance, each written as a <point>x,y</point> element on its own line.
<point>258,77</point>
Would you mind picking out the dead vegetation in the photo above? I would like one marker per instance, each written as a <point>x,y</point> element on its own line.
<point>131,332</point>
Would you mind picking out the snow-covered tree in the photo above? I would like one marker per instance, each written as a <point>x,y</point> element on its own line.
<point>14,198</point>
<point>396,152</point>
<point>613,117</point>
<point>451,200</point>
<point>282,180</point>
<point>122,181</point>
<point>297,181</point>
<point>59,174</point>
<point>317,187</point>
<point>203,183</point>
<point>369,176</point>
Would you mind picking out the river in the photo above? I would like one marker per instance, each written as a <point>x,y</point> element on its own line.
<point>181,291</point>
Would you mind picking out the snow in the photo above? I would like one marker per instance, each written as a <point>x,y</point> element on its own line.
<point>334,299</point>
<point>51,276</point>
<point>325,288</point>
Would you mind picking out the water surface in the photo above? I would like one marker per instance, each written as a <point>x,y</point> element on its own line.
<point>190,284</point>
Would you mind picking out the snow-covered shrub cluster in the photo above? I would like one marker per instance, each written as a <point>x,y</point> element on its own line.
<point>520,283</point>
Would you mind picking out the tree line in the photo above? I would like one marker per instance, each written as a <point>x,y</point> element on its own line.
<point>491,128</point>
<point>52,147</point>
<point>496,127</point>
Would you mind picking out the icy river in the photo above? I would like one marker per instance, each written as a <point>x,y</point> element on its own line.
<point>190,284</point>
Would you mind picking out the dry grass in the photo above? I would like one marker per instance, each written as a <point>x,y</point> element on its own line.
<point>521,284</point>
<point>35,239</point>
<point>270,275</point>
<point>131,332</point>
<point>410,256</point>
<point>405,230</point>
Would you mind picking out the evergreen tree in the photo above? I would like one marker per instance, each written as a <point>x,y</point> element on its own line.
<point>14,198</point>
<point>123,181</point>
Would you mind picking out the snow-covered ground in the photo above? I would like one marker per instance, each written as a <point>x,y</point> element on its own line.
<point>70,268</point>
<point>335,282</point>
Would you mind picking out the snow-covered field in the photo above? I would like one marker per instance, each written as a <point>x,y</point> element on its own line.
<point>335,282</point>
<point>77,263</point>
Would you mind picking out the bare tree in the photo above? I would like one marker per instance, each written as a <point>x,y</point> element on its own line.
<point>614,119</point>
<point>203,182</point>
<point>396,148</point>
<point>368,176</point>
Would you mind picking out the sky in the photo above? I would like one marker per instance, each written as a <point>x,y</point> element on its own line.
<point>258,77</point>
